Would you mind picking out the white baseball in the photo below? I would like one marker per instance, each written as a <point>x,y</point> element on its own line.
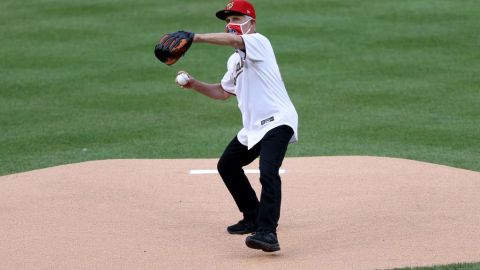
<point>182,79</point>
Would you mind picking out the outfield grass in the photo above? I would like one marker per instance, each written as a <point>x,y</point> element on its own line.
<point>386,78</point>
<point>461,266</point>
<point>378,77</point>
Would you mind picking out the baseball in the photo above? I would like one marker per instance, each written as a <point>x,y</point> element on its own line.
<point>182,79</point>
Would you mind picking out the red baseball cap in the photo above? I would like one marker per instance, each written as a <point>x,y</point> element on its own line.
<point>237,7</point>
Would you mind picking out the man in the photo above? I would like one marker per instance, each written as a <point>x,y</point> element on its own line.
<point>269,122</point>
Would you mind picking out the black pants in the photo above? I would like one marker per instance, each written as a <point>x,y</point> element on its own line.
<point>271,149</point>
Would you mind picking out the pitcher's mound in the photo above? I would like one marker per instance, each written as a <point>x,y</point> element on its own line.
<point>337,213</point>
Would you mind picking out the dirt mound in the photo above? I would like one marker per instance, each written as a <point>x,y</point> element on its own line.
<point>337,213</point>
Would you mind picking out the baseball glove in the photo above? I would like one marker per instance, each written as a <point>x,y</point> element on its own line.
<point>172,46</point>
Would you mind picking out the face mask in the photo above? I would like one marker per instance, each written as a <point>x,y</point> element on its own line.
<point>236,28</point>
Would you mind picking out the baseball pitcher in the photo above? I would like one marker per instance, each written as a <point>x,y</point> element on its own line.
<point>269,118</point>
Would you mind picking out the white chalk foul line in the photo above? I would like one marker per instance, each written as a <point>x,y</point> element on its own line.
<point>247,171</point>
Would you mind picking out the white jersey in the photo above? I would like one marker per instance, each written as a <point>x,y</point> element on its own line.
<point>254,77</point>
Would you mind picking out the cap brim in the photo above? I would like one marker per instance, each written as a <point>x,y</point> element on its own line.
<point>223,14</point>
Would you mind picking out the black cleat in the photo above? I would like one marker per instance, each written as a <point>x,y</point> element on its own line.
<point>242,227</point>
<point>264,240</point>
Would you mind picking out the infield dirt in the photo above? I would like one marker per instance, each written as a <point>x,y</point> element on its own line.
<point>337,213</point>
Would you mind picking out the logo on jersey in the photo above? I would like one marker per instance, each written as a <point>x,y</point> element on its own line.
<point>268,120</point>
<point>238,70</point>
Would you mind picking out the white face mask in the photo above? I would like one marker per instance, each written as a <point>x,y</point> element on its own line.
<point>238,28</point>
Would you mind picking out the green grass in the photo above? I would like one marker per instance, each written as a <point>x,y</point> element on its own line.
<point>461,266</point>
<point>384,78</point>
<point>379,77</point>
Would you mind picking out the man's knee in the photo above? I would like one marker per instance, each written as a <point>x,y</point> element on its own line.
<point>269,170</point>
<point>225,166</point>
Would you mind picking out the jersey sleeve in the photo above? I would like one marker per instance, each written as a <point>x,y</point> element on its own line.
<point>227,83</point>
<point>256,47</point>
